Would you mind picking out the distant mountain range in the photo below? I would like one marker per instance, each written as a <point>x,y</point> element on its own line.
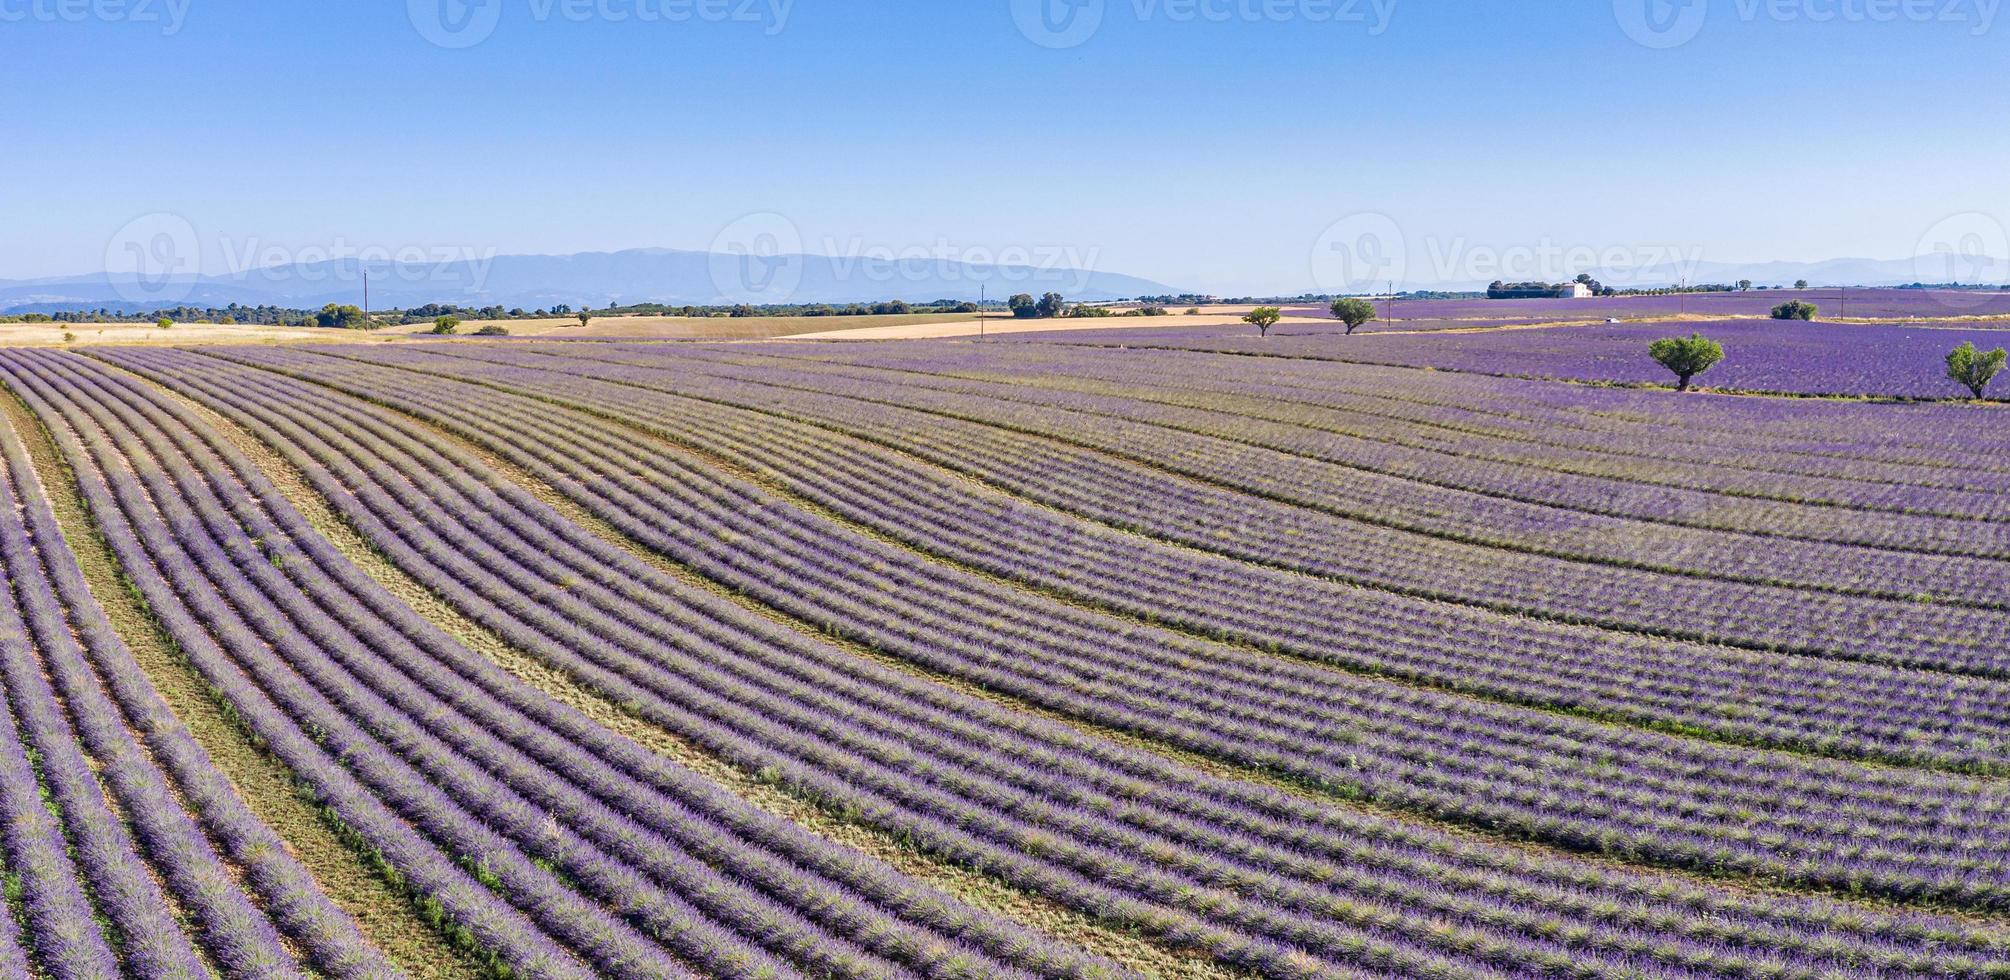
<point>592,279</point>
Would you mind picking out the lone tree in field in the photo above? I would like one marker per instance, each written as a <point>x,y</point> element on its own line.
<point>1973,368</point>
<point>446,325</point>
<point>584,316</point>
<point>1686,357</point>
<point>1744,285</point>
<point>165,323</point>
<point>1353,312</point>
<point>1796,310</point>
<point>1800,284</point>
<point>1265,317</point>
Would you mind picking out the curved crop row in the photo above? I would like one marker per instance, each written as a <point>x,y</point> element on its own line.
<point>1505,513</point>
<point>146,816</point>
<point>1219,519</point>
<point>1608,432</point>
<point>1825,707</point>
<point>1721,416</point>
<point>1643,796</point>
<point>1686,494</point>
<point>501,552</point>
<point>533,826</point>
<point>1917,437</point>
<point>955,779</point>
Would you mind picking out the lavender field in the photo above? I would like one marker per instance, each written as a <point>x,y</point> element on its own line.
<point>1876,304</point>
<point>1089,655</point>
<point>1761,355</point>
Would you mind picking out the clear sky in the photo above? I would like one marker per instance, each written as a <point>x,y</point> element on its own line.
<point>1205,143</point>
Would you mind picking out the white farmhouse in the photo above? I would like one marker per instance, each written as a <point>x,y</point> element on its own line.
<point>1576,290</point>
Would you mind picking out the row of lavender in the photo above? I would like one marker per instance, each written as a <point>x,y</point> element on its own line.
<point>1049,810</point>
<point>1608,433</point>
<point>1924,304</point>
<point>1904,445</point>
<point>830,727</point>
<point>558,847</point>
<point>1914,716</point>
<point>1438,477</point>
<point>1314,515</point>
<point>1645,797</point>
<point>128,852</point>
<point>1785,356</point>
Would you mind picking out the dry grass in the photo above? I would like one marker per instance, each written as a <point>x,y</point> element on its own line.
<point>52,334</point>
<point>601,328</point>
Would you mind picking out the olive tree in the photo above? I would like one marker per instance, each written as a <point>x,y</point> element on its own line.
<point>1263,318</point>
<point>1973,368</point>
<point>1353,312</point>
<point>1796,310</point>
<point>1686,356</point>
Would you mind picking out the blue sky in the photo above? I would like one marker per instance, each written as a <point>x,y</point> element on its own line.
<point>1205,143</point>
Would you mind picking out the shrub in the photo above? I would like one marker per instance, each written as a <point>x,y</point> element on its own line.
<point>1025,307</point>
<point>1795,310</point>
<point>164,323</point>
<point>446,325</point>
<point>343,316</point>
<point>1973,368</point>
<point>1263,318</point>
<point>1687,357</point>
<point>493,330</point>
<point>1353,312</point>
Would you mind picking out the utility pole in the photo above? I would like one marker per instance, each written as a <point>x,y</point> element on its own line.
<point>1845,304</point>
